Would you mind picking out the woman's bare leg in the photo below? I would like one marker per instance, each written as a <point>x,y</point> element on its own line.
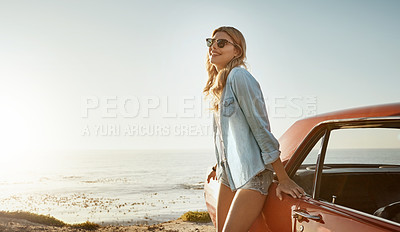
<point>246,206</point>
<point>224,201</point>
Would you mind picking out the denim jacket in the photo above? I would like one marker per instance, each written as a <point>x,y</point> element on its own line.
<point>248,146</point>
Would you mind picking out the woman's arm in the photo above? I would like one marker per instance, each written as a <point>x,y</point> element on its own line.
<point>251,101</point>
<point>286,185</point>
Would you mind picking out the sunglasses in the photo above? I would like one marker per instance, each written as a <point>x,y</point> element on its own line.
<point>220,42</point>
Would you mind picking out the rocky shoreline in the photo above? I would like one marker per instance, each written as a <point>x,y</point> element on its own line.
<point>21,225</point>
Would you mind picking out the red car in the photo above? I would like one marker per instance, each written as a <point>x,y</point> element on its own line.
<point>348,162</point>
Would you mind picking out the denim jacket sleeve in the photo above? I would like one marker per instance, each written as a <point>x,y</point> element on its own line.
<point>251,102</point>
<point>215,139</point>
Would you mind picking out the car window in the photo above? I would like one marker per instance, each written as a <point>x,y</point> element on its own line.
<point>305,174</point>
<point>362,169</point>
<point>313,154</point>
<point>364,146</point>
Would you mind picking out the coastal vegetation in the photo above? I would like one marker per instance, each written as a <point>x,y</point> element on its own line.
<point>47,220</point>
<point>196,216</point>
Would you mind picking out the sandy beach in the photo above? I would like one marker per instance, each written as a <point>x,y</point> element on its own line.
<point>12,224</point>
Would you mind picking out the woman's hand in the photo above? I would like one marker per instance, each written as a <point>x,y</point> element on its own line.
<point>212,175</point>
<point>288,186</point>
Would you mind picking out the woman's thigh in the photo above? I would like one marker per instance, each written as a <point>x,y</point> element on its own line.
<point>224,201</point>
<point>245,208</point>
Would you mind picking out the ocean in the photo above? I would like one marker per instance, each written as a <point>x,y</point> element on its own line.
<point>107,187</point>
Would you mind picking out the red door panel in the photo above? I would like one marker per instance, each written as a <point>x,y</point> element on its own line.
<point>312,215</point>
<point>276,215</point>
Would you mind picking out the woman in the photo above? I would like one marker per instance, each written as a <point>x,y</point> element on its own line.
<point>247,153</point>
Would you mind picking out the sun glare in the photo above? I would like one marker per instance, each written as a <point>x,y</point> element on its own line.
<point>18,140</point>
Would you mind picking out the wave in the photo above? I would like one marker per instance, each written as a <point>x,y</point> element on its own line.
<point>106,180</point>
<point>195,186</point>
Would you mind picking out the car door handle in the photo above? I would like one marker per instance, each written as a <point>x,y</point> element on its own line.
<point>299,214</point>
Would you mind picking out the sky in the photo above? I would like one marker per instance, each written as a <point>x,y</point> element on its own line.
<point>98,74</point>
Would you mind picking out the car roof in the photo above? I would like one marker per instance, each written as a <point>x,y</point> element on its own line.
<point>293,137</point>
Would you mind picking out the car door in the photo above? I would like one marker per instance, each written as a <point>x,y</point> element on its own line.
<point>306,213</point>
<point>316,213</point>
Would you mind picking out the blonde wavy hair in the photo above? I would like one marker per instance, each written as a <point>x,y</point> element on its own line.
<point>217,80</point>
